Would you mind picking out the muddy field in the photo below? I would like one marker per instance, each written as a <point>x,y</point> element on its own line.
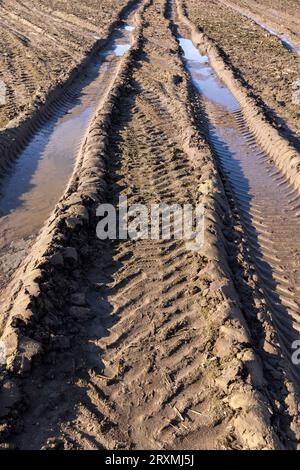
<point>42,42</point>
<point>282,16</point>
<point>148,343</point>
<point>266,68</point>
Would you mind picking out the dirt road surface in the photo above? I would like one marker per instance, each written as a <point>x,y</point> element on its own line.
<point>147,344</point>
<point>282,17</point>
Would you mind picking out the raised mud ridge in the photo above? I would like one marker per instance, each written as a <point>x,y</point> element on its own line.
<point>136,345</point>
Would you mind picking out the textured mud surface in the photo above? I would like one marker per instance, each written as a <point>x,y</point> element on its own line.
<point>38,177</point>
<point>282,16</point>
<point>42,42</point>
<point>146,344</point>
<point>260,60</point>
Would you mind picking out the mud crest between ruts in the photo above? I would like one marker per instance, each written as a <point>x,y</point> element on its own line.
<point>63,250</point>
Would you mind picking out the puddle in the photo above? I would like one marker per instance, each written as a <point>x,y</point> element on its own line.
<point>203,79</point>
<point>267,203</point>
<point>40,174</point>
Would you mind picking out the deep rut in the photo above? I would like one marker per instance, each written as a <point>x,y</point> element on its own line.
<point>269,210</point>
<point>267,204</point>
<point>150,348</point>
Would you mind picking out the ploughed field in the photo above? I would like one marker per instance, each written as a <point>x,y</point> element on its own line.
<point>147,343</point>
<point>42,42</point>
<point>266,67</point>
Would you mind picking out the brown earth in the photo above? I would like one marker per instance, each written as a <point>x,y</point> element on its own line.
<point>134,344</point>
<point>42,42</point>
<point>142,344</point>
<point>281,15</point>
<point>260,61</point>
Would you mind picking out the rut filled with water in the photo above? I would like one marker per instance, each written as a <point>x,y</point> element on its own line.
<point>268,206</point>
<point>41,172</point>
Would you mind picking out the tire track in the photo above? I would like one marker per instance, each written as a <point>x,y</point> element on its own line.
<point>158,319</point>
<point>265,203</point>
<point>286,41</point>
<point>34,183</point>
<point>129,330</point>
<point>145,358</point>
<point>271,223</point>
